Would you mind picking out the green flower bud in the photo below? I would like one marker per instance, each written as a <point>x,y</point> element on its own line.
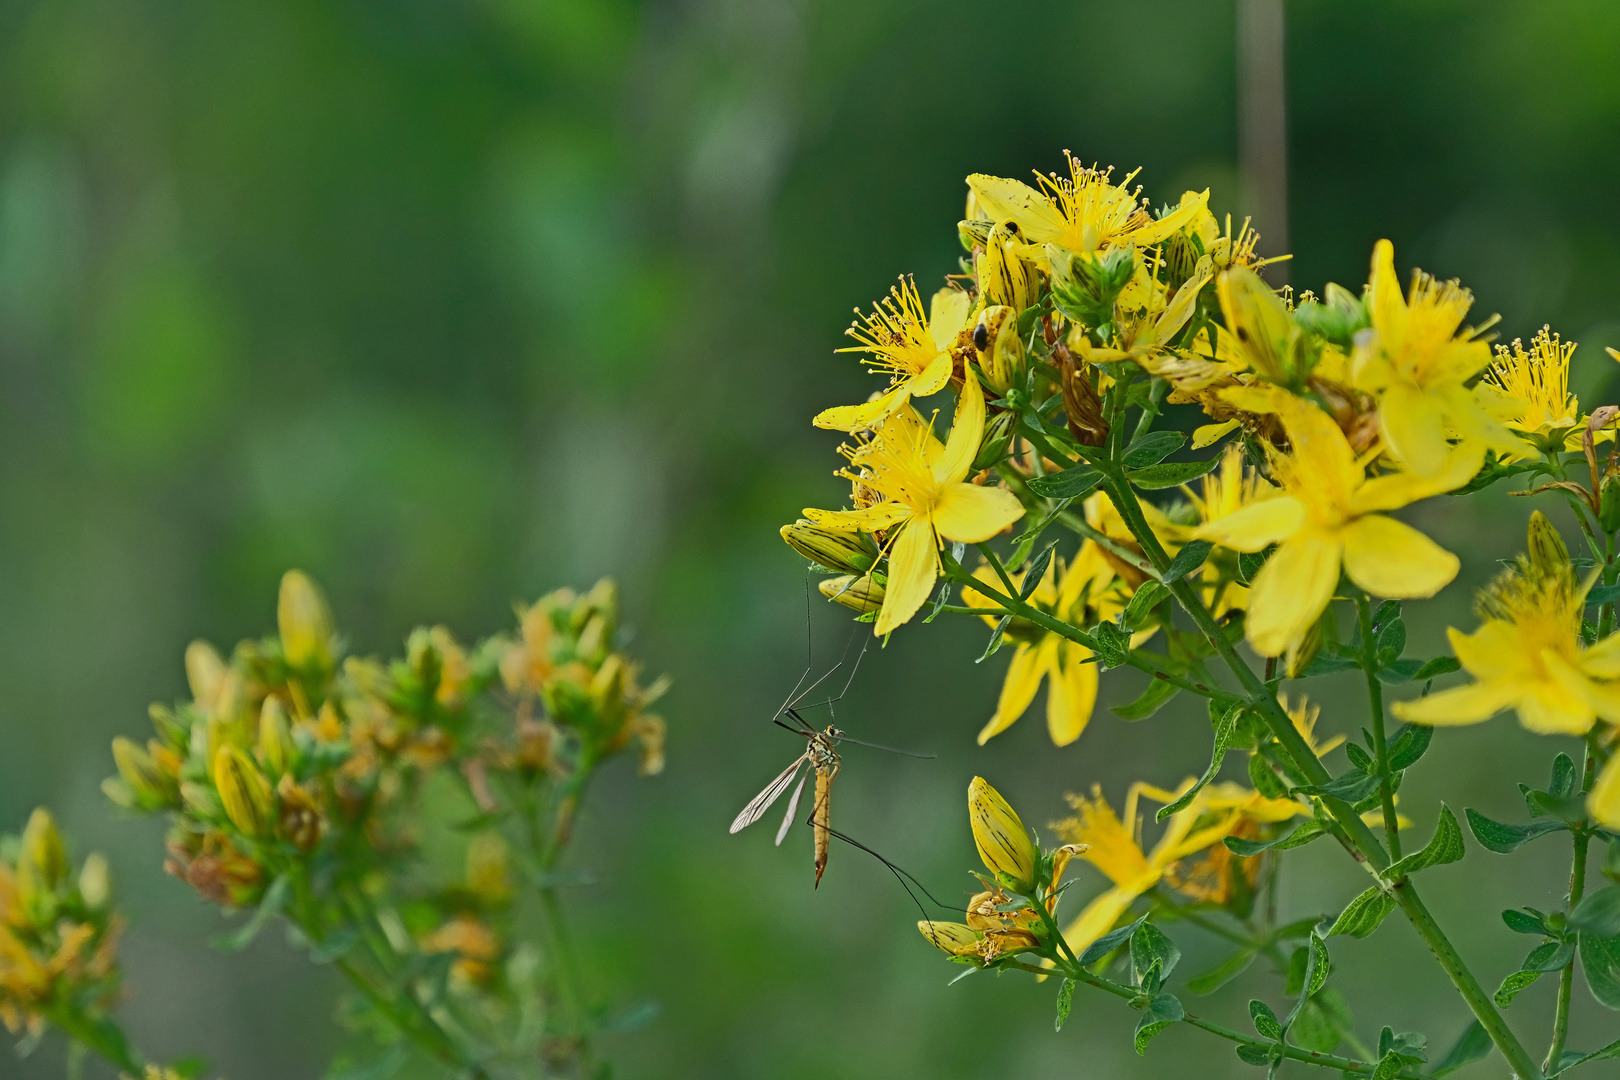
<point>243,791</point>
<point>1001,350</point>
<point>848,550</point>
<point>95,881</point>
<point>146,780</point>
<point>860,594</point>
<point>1548,555</point>
<point>1003,842</point>
<point>42,864</point>
<point>1609,504</point>
<point>276,747</point>
<point>304,621</point>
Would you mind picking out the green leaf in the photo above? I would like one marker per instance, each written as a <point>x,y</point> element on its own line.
<point>1610,1051</point>
<point>1317,965</point>
<point>1399,671</point>
<point>1109,942</point>
<point>1231,968</point>
<point>1512,986</point>
<point>335,946</point>
<point>1303,834</point>
<point>994,643</point>
<point>1315,1029</point>
<point>1224,731</point>
<point>1363,914</point>
<point>1602,594</point>
<point>1523,922</point>
<point>1571,810</point>
<point>1153,956</point>
<point>1391,640</point>
<point>1265,778</point>
<point>1549,956</point>
<point>1250,562</point>
<point>1504,839</point>
<point>1598,913</point>
<point>1255,1055</point>
<point>1472,1045</point>
<point>1169,475</point>
<point>1153,448</point>
<point>1113,644</point>
<point>1266,1024</point>
<point>1161,1012</point>
<point>1410,743</point>
<point>1036,571</point>
<point>1359,758</point>
<point>1600,959</point>
<point>1327,662</point>
<point>1440,665</point>
<point>275,897</point>
<point>1563,777</point>
<point>1446,846</point>
<point>1153,698</point>
<point>1188,559</point>
<point>1064,1002</point>
<point>1147,597</point>
<point>1352,787</point>
<point>1068,484</point>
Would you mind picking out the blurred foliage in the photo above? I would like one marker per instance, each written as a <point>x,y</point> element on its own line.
<point>450,303</point>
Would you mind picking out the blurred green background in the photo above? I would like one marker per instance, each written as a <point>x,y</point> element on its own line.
<point>451,303</point>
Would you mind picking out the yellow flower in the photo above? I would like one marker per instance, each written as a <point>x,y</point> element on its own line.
<point>1534,395</point>
<point>1604,801</point>
<point>1113,847</point>
<point>1003,842</point>
<point>914,349</point>
<point>1083,212</point>
<point>1223,493</point>
<point>1066,591</point>
<point>926,500</point>
<point>1326,519</point>
<point>1528,655</point>
<point>1416,362</point>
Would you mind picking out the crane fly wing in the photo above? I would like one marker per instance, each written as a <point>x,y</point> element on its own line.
<point>762,802</point>
<point>793,806</point>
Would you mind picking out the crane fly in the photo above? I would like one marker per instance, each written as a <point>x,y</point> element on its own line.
<point>820,757</point>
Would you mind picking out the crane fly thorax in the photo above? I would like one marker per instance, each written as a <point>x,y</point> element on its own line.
<point>823,757</point>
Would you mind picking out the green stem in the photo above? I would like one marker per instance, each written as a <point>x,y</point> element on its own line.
<point>564,965</point>
<point>1366,845</point>
<point>1375,704</point>
<point>1566,978</point>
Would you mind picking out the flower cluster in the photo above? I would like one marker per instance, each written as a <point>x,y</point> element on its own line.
<point>303,782</point>
<point>58,932</point>
<point>1228,463</point>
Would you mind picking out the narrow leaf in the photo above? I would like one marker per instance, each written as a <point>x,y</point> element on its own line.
<point>1600,960</point>
<point>1153,448</point>
<point>1153,698</point>
<point>1068,484</point>
<point>1410,743</point>
<point>269,907</point>
<point>1551,956</point>
<point>1512,986</point>
<point>1301,836</point>
<point>1610,1051</point>
<point>1169,475</point>
<point>1503,838</point>
<point>1109,942</point>
<point>1440,665</point>
<point>1188,559</point>
<point>1036,571</point>
<point>1363,914</point>
<point>1472,1045</point>
<point>1352,787</point>
<point>1266,1024</point>
<point>1522,922</point>
<point>1163,1011</point>
<point>1598,913</point>
<point>1446,846</point>
<point>1065,1001</point>
<point>1231,968</point>
<point>1224,731</point>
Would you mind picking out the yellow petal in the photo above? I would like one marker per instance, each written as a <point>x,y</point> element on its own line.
<point>1291,590</point>
<point>1002,199</point>
<point>1098,918</point>
<point>1395,490</point>
<point>1256,526</point>
<point>1191,204</point>
<point>952,937</point>
<point>967,431</point>
<point>1071,695</point>
<point>1210,434</point>
<point>1602,660</point>
<point>1491,651</point>
<point>1413,426</point>
<point>870,519</point>
<point>1017,691</point>
<point>868,413</point>
<point>974,514</point>
<point>1389,558</point>
<point>1384,288</point>
<point>1458,705</point>
<point>932,379</point>
<point>946,313</point>
<point>1604,802</point>
<point>913,566</point>
<point>1550,709</point>
<point>1321,452</point>
<point>999,834</point>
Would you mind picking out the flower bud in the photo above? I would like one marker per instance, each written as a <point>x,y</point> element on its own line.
<point>607,690</point>
<point>1005,278</point>
<point>860,594</point>
<point>304,621</point>
<point>603,601</point>
<point>1003,842</point>
<point>151,786</point>
<point>998,436</point>
<point>954,938</point>
<point>1548,555</point>
<point>42,863</point>
<point>243,791</point>
<point>1081,404</point>
<point>205,672</point>
<point>1609,504</point>
<point>276,747</point>
<point>848,550</point>
<point>95,881</point>
<point>1001,350</point>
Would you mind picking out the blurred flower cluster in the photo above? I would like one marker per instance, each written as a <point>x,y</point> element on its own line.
<point>326,789</point>
<point>1219,464</point>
